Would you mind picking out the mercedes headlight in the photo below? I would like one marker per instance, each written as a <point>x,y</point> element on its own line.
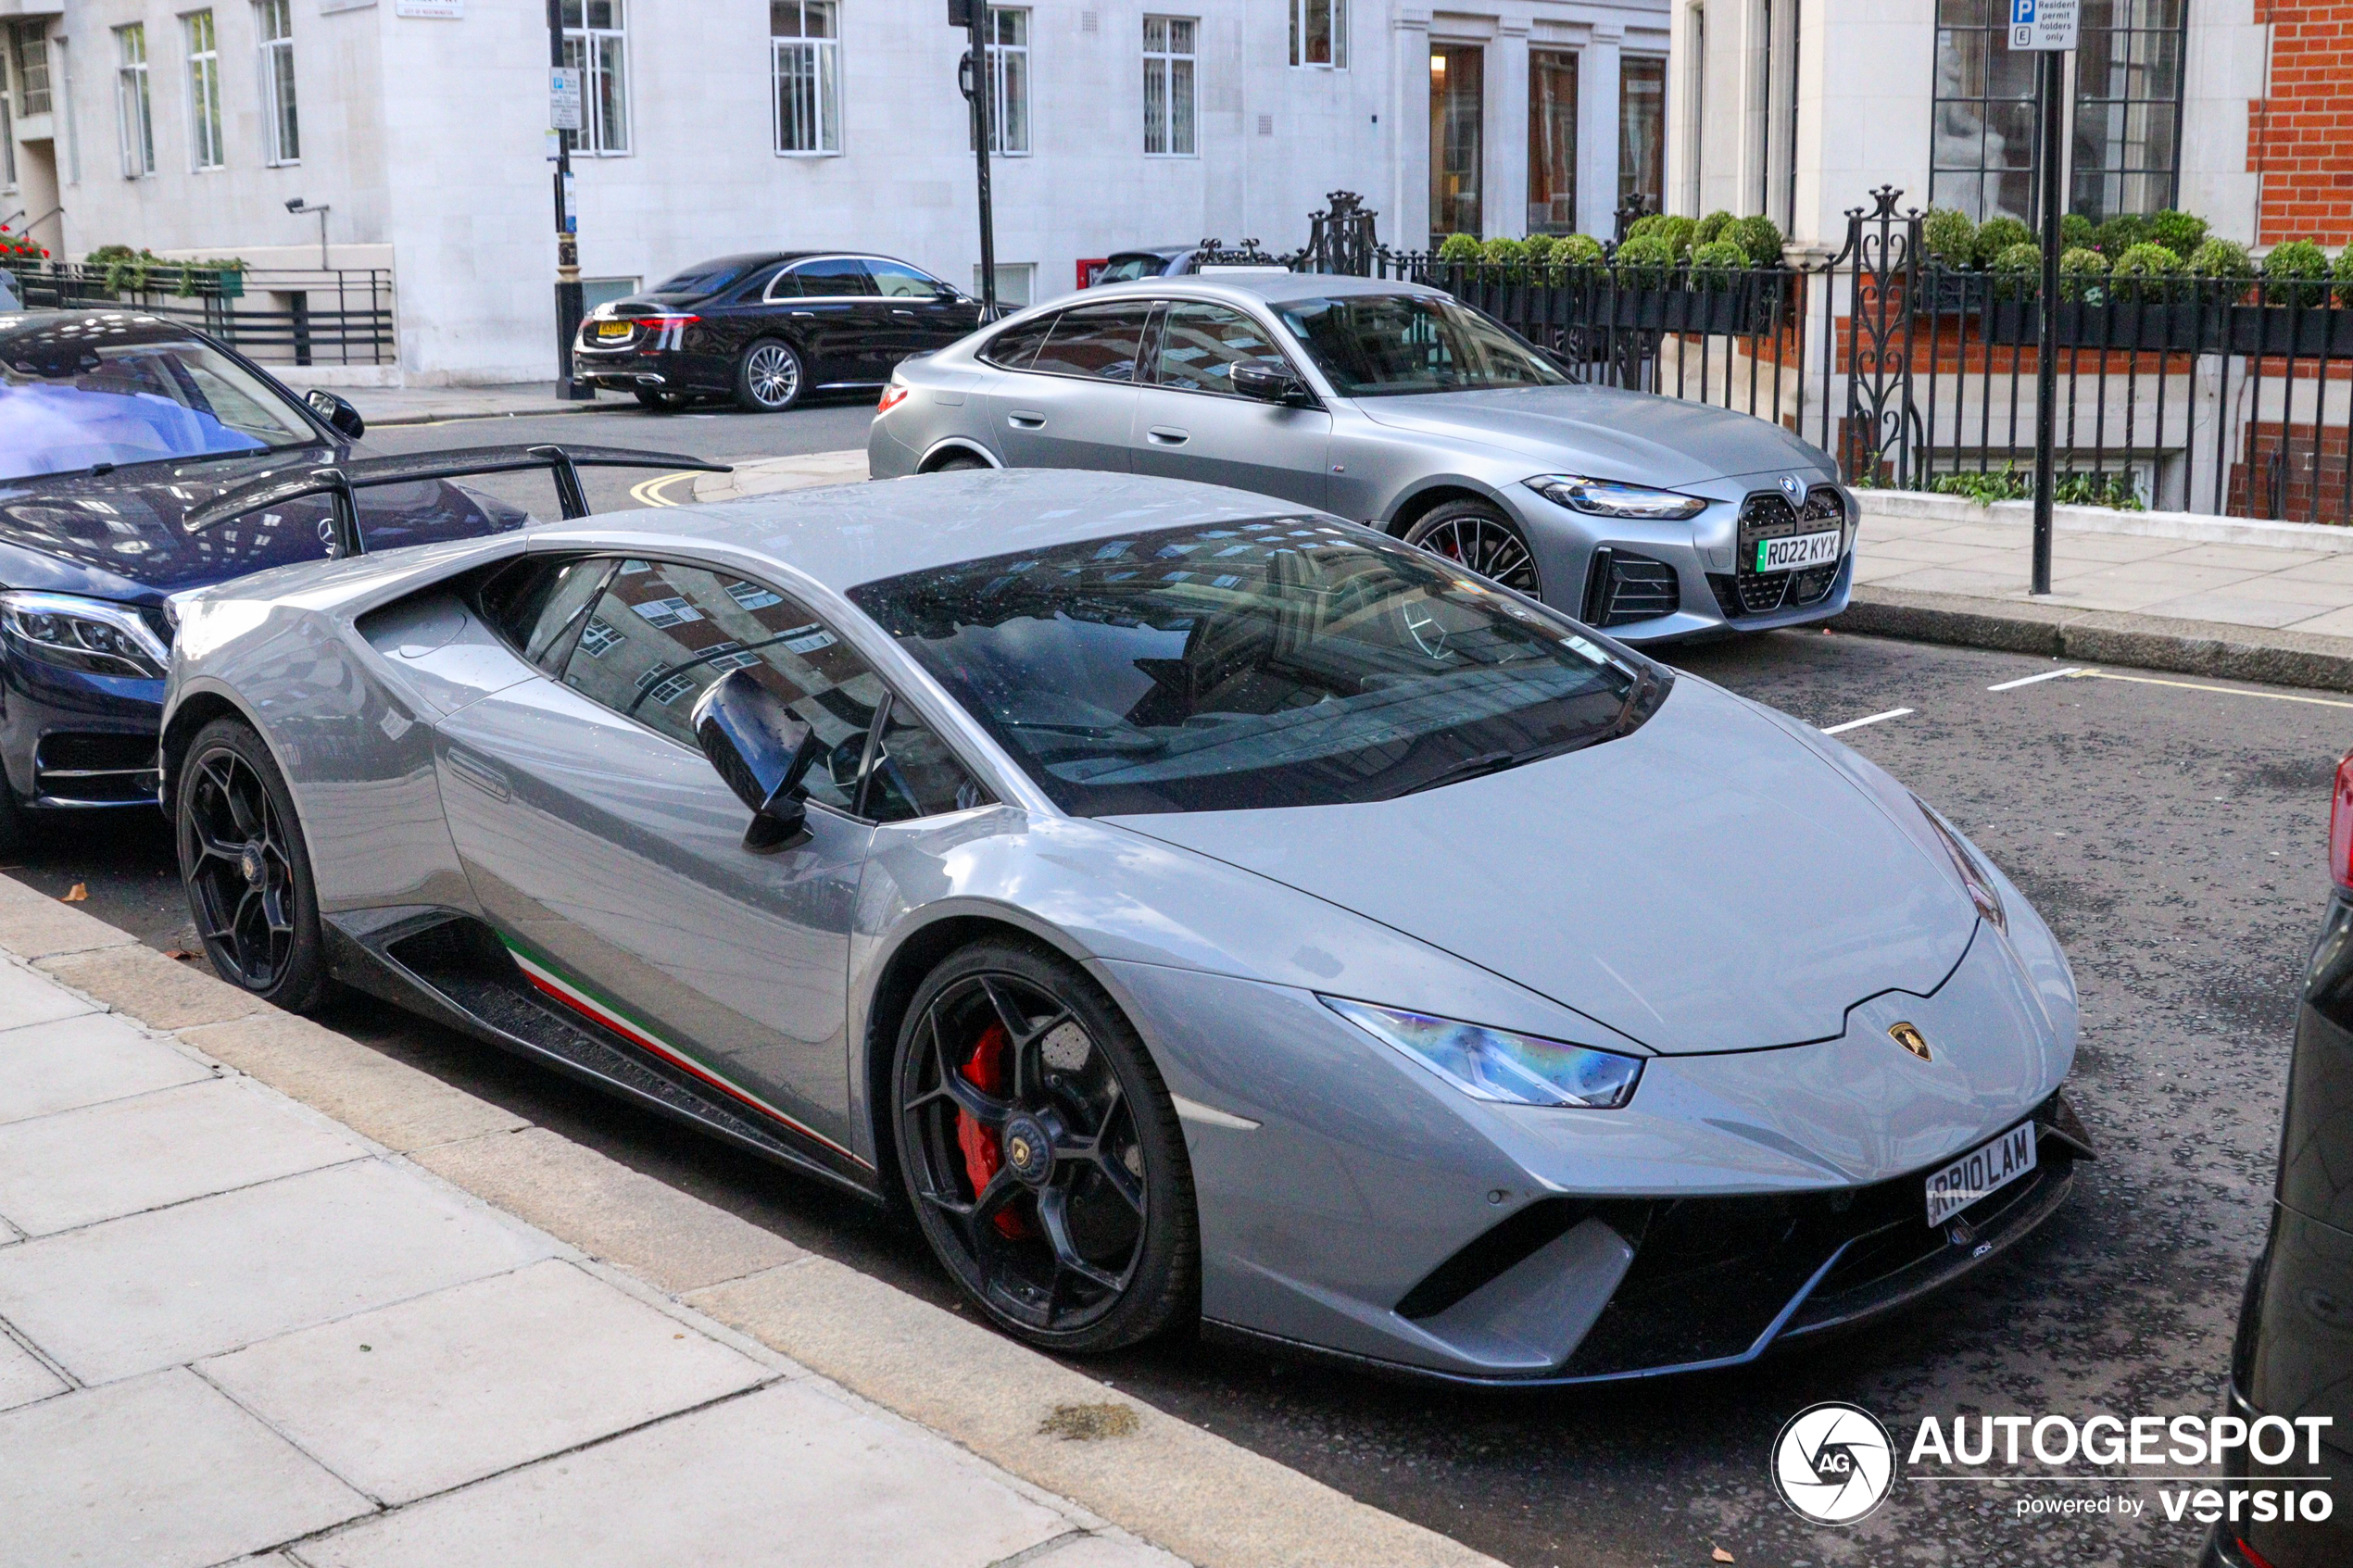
<point>1604,497</point>
<point>1975,879</point>
<point>1495,1064</point>
<point>91,635</point>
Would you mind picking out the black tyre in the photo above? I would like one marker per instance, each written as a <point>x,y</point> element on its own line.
<point>12,828</point>
<point>769,378</point>
<point>1041,1154</point>
<point>659,401</point>
<point>246,870</point>
<point>956,462</point>
<point>1478,536</point>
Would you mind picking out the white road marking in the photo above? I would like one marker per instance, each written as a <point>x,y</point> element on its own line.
<point>2030,680</point>
<point>1858,723</point>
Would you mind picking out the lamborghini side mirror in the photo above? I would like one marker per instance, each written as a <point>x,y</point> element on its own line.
<point>764,752</point>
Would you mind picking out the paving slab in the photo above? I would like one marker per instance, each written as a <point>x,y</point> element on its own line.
<point>670,1238</point>
<point>113,1300</point>
<point>103,1162</point>
<point>156,990</point>
<point>26,996</point>
<point>47,1068</point>
<point>789,1475</point>
<point>133,1476</point>
<point>1103,1552</point>
<point>432,1393</point>
<point>23,1378</point>
<point>383,1098</point>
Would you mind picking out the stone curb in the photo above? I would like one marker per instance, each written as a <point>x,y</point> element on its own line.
<point>2106,636</point>
<point>765,476</point>
<point>2195,528</point>
<point>1172,1484</point>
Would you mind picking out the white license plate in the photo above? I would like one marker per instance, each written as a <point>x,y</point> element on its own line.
<point>1980,1171</point>
<point>1800,551</point>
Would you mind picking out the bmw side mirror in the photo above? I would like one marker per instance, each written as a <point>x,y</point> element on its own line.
<point>764,752</point>
<point>340,415</point>
<point>1267,383</point>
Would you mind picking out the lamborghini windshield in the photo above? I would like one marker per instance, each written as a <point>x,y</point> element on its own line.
<point>1284,662</point>
<point>1388,345</point>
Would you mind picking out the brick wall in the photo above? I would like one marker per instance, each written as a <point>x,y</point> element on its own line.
<point>2300,139</point>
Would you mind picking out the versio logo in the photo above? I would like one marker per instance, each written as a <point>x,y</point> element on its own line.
<point>1833,1464</point>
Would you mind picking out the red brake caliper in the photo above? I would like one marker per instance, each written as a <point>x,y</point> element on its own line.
<point>986,1069</point>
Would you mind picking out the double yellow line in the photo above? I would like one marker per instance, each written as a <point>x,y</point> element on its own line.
<point>649,493</point>
<point>2200,687</point>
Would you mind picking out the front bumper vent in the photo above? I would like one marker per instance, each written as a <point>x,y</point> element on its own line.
<point>1621,587</point>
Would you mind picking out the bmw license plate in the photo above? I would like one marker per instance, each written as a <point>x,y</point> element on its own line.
<point>613,329</point>
<point>1797,550</point>
<point>1980,1171</point>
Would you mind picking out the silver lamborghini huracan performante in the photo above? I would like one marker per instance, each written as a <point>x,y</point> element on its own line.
<point>1191,910</point>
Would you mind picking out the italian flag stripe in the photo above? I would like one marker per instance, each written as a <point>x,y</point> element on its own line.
<point>550,981</point>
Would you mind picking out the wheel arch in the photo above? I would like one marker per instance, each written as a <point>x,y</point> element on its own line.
<point>196,709</point>
<point>1435,491</point>
<point>955,445</point>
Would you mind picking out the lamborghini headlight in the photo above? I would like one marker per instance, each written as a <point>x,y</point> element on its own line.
<point>1496,1064</point>
<point>1603,498</point>
<point>1975,879</point>
<point>91,635</point>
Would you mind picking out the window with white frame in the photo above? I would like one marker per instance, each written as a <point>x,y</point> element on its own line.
<point>203,90</point>
<point>804,51</point>
<point>281,129</point>
<point>597,45</point>
<point>1009,82</point>
<point>1168,86</point>
<point>134,111</point>
<point>32,49</point>
<point>1319,33</point>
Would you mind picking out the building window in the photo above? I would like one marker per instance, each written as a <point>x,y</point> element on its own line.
<point>1009,82</point>
<point>7,121</point>
<point>31,40</point>
<point>203,90</point>
<point>1319,33</point>
<point>595,45</point>
<point>1641,131</point>
<point>134,114</point>
<point>273,22</point>
<point>1168,86</point>
<point>1458,91</point>
<point>1552,142</point>
<point>2128,107</point>
<point>1016,284</point>
<point>804,42</point>
<point>1981,152</point>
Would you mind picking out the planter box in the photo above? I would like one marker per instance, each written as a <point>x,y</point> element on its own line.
<point>2141,325</point>
<point>2312,329</point>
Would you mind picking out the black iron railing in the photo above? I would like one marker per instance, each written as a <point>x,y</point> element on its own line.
<point>280,316</point>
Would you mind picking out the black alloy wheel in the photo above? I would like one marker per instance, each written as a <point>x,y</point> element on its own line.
<point>1476,535</point>
<point>1043,1154</point>
<point>246,870</point>
<point>768,378</point>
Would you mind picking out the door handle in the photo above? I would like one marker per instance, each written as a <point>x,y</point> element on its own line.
<point>908,313</point>
<point>481,775</point>
<point>803,315</point>
<point>1167,435</point>
<point>1023,419</point>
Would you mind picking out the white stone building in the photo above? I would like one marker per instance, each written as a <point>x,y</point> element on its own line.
<point>721,125</point>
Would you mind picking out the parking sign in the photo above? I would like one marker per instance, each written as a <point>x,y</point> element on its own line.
<point>2043,25</point>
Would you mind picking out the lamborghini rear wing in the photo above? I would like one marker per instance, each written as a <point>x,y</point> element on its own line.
<point>341,481</point>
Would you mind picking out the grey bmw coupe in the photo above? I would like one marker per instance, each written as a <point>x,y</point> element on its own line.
<point>1192,908</point>
<point>1395,405</point>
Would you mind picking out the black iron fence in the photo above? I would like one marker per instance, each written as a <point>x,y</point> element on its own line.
<point>2211,395</point>
<point>322,316</point>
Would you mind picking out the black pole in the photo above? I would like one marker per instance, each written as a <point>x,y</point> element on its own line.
<point>2046,342</point>
<point>570,304</point>
<point>983,84</point>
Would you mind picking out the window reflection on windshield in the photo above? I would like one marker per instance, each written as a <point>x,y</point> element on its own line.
<point>1375,344</point>
<point>72,397</point>
<point>1284,662</point>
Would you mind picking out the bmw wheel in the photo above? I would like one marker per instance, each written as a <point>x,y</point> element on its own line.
<point>1041,1152</point>
<point>1478,536</point>
<point>246,870</point>
<point>768,378</point>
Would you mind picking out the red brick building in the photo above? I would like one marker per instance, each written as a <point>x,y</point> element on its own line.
<point>2301,137</point>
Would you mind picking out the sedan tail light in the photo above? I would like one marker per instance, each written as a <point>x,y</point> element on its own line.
<point>655,323</point>
<point>2341,826</point>
<point>893,396</point>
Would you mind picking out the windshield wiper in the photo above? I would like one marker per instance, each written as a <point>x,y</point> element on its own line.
<point>1485,762</point>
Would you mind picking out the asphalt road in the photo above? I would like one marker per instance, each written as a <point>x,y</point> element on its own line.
<point>2172,835</point>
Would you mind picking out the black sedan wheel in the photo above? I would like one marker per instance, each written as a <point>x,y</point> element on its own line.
<point>768,378</point>
<point>246,870</point>
<point>1478,536</point>
<point>1041,1152</point>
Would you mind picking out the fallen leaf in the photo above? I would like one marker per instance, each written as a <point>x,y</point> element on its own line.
<point>1720,1555</point>
<point>181,953</point>
<point>80,894</point>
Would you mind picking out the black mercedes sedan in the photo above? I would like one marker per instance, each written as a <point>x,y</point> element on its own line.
<point>114,426</point>
<point>770,328</point>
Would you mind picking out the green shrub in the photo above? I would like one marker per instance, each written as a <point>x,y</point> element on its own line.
<point>1716,265</point>
<point>1678,233</point>
<point>1577,250</point>
<point>1711,228</point>
<point>1458,247</point>
<point>1642,228</point>
<point>2344,276</point>
<point>2076,232</point>
<point>2292,271</point>
<point>1501,252</point>
<point>2017,273</point>
<point>1538,249</point>
<point>1949,236</point>
<point>2146,271</point>
<point>2177,232</point>
<point>1645,259</point>
<point>2082,274</point>
<point>2006,483</point>
<point>1996,235</point>
<point>2120,235</point>
<point>1761,237</point>
<point>2219,259</point>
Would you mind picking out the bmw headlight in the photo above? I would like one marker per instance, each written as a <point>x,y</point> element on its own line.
<point>1603,498</point>
<point>1495,1064</point>
<point>1975,879</point>
<point>91,636</point>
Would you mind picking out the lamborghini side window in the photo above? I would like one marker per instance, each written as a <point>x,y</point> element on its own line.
<point>912,774</point>
<point>539,606</point>
<point>660,633</point>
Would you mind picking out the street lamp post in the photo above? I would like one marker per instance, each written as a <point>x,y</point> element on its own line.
<point>978,82</point>
<point>570,305</point>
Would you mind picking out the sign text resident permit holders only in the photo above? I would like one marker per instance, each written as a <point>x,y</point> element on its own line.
<point>2044,24</point>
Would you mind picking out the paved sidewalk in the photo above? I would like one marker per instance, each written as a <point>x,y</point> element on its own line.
<point>765,476</point>
<point>271,1298</point>
<point>426,404</point>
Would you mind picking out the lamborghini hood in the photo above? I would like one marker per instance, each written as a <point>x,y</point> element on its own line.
<point>1704,883</point>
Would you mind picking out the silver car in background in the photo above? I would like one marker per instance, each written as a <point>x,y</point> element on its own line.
<point>1395,405</point>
